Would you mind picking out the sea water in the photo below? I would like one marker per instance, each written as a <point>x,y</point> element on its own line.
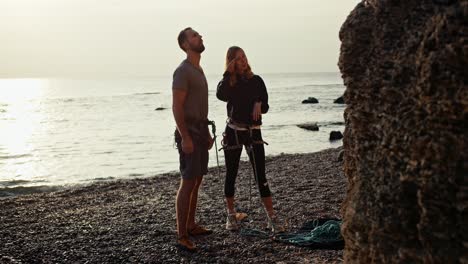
<point>56,132</point>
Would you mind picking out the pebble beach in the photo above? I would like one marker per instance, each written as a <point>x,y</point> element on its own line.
<point>133,221</point>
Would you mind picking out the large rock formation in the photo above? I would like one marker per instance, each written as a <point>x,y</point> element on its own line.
<point>404,63</point>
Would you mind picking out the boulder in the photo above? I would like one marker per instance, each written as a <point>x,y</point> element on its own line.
<point>404,66</point>
<point>160,108</point>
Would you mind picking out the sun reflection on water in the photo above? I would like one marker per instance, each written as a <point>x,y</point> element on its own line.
<point>19,119</point>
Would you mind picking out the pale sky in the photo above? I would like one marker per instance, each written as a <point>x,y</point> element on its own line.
<point>59,38</point>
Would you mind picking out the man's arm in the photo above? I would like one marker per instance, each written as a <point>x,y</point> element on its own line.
<point>178,101</point>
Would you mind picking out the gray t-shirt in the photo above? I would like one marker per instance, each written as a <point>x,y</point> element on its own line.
<point>191,79</point>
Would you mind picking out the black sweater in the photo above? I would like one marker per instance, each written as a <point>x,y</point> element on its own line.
<point>242,97</point>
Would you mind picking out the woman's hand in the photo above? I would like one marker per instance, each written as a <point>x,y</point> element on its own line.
<point>257,111</point>
<point>231,66</point>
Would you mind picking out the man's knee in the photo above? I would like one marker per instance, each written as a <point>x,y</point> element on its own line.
<point>198,181</point>
<point>187,184</point>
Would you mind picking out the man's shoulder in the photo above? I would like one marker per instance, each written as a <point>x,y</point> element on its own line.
<point>183,67</point>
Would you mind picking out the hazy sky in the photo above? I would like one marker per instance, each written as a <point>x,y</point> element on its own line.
<point>53,38</point>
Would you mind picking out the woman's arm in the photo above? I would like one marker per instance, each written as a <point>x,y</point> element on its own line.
<point>224,87</point>
<point>263,96</point>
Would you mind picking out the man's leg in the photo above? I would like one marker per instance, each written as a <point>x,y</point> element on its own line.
<point>193,203</point>
<point>183,204</point>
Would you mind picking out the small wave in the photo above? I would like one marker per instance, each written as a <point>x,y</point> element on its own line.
<point>146,93</point>
<point>322,85</point>
<point>104,152</point>
<point>111,165</point>
<point>15,156</point>
<point>332,123</point>
<point>13,182</point>
<point>22,190</point>
<point>276,126</point>
<point>135,175</point>
<point>3,111</point>
<point>103,179</point>
<point>55,121</point>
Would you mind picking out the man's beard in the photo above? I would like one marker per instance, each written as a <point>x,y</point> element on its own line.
<point>198,49</point>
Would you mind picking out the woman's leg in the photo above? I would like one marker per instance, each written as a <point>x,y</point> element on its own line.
<point>258,164</point>
<point>268,203</point>
<point>232,158</point>
<point>230,205</point>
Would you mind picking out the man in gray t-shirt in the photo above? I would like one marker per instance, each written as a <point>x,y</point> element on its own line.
<point>190,109</point>
<point>191,79</point>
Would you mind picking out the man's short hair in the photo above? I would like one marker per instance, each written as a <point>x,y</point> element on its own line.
<point>182,37</point>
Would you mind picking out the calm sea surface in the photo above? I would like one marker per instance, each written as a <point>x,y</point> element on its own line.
<point>56,132</point>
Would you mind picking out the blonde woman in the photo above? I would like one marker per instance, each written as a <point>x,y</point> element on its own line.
<point>247,99</point>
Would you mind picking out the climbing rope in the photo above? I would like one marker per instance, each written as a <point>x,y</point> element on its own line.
<point>326,234</point>
<point>323,233</point>
<point>213,130</point>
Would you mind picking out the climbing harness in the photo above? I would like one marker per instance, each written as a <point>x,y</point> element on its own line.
<point>250,150</point>
<point>318,233</point>
<point>213,130</point>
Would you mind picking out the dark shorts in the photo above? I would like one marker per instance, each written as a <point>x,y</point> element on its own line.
<point>196,163</point>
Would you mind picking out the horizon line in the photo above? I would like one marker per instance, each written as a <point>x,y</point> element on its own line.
<point>123,76</point>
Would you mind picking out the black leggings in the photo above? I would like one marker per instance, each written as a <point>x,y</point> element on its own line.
<point>232,154</point>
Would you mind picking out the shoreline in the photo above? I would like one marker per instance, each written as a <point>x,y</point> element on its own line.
<point>20,190</point>
<point>133,220</point>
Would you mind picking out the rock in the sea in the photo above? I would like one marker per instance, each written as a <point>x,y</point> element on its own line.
<point>339,100</point>
<point>335,135</point>
<point>310,100</point>
<point>309,126</point>
<point>160,108</point>
<point>404,66</point>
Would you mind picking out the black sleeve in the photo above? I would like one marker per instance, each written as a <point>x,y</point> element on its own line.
<point>223,90</point>
<point>263,95</point>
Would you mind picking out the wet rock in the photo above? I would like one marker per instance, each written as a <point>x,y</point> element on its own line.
<point>335,135</point>
<point>160,108</point>
<point>310,100</point>
<point>339,100</point>
<point>309,126</point>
